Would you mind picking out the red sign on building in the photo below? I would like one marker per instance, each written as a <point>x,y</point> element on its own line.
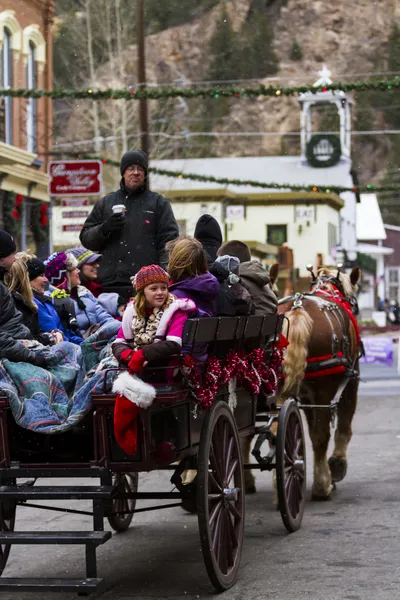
<point>75,177</point>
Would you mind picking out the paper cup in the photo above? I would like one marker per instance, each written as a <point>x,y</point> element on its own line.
<point>119,209</point>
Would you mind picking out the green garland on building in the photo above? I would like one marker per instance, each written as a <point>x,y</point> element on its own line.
<point>230,91</point>
<point>258,184</point>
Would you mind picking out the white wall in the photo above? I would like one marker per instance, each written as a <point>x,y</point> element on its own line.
<point>348,219</point>
<point>312,240</point>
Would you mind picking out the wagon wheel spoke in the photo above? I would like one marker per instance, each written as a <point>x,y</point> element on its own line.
<point>215,467</point>
<point>288,460</point>
<point>214,513</point>
<point>229,457</point>
<point>212,483</point>
<point>224,444</point>
<point>231,529</point>
<point>232,471</point>
<point>216,534</point>
<point>223,559</point>
<point>235,513</point>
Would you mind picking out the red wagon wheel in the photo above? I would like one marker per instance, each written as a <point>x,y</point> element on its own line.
<point>291,465</point>
<point>220,496</point>
<point>122,509</point>
<point>7,523</point>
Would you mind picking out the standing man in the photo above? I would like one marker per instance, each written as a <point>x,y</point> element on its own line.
<point>129,227</point>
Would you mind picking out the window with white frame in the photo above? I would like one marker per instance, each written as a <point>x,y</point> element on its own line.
<point>6,80</point>
<point>31,108</point>
<point>393,283</point>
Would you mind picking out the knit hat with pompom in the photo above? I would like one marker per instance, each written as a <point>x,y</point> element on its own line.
<point>148,275</point>
<point>57,266</point>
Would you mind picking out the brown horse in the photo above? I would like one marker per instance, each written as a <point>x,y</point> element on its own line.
<point>321,366</point>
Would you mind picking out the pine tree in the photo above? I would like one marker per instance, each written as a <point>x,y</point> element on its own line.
<point>258,58</point>
<point>296,52</point>
<point>223,49</point>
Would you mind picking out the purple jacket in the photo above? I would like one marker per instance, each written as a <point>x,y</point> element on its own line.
<point>202,289</point>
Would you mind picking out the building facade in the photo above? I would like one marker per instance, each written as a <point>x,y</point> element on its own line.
<point>25,124</point>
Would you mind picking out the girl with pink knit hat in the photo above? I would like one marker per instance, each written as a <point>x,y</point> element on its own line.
<point>151,331</point>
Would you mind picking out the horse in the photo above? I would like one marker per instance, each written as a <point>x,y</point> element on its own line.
<point>321,369</point>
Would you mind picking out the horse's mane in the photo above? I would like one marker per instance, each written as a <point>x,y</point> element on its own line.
<point>349,289</point>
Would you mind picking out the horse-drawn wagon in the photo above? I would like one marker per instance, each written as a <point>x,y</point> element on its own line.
<point>180,432</point>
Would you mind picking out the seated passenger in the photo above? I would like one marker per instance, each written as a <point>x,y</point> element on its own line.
<point>189,275</point>
<point>12,330</point>
<point>63,274</point>
<point>49,318</point>
<point>253,276</point>
<point>233,298</point>
<point>209,234</point>
<point>154,315</point>
<point>88,265</point>
<point>152,328</point>
<point>18,283</point>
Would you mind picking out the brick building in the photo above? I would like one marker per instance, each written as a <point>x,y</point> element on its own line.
<point>25,124</point>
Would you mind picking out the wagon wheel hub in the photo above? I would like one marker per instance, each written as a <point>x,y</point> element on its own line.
<point>298,466</point>
<point>231,494</point>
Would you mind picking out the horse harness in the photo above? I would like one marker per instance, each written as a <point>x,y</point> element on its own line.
<point>339,361</point>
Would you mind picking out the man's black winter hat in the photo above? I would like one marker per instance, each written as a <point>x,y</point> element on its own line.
<point>35,268</point>
<point>209,233</point>
<point>134,157</point>
<point>7,244</point>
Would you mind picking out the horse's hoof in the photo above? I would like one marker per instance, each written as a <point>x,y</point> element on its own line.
<point>318,498</point>
<point>250,489</point>
<point>338,468</point>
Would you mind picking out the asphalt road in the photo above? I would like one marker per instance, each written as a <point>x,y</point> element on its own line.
<point>347,549</point>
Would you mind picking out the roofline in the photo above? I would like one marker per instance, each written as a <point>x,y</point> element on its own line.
<point>256,198</point>
<point>392,227</point>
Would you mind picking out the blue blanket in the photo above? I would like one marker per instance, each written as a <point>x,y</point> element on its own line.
<point>55,399</point>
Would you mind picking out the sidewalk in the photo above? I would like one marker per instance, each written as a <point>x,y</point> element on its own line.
<point>378,372</point>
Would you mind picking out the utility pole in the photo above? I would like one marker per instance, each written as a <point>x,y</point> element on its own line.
<point>143,115</point>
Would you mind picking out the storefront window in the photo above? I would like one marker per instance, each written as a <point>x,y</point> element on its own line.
<point>6,63</point>
<point>31,109</point>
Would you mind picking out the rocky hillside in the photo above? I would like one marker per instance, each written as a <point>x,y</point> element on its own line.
<point>352,39</point>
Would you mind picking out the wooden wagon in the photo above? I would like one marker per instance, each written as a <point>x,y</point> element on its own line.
<point>172,435</point>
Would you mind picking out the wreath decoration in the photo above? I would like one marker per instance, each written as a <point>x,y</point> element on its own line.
<point>334,157</point>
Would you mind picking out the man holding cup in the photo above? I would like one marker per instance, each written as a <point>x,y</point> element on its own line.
<point>130,227</point>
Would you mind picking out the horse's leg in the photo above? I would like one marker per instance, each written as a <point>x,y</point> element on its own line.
<point>319,421</point>
<point>343,433</point>
<point>249,479</point>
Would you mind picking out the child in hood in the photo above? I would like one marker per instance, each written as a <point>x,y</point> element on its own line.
<point>253,276</point>
<point>190,277</point>
<point>151,331</point>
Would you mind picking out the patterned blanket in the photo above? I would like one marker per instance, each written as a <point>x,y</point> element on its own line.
<point>55,399</point>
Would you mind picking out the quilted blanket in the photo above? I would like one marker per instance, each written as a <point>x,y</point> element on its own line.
<point>55,399</point>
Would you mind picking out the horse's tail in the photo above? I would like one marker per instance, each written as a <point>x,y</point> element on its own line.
<point>295,362</point>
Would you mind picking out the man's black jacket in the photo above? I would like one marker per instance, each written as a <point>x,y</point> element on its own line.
<point>150,224</point>
<point>12,329</point>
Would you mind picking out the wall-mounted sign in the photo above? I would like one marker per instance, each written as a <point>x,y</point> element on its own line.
<point>73,227</point>
<point>75,202</point>
<point>75,177</point>
<point>74,214</point>
<point>235,212</point>
<point>303,214</point>
<point>323,150</point>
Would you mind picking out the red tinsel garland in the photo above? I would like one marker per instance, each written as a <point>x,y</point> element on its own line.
<point>16,213</point>
<point>44,219</point>
<point>254,371</point>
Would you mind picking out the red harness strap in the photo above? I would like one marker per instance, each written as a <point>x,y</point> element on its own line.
<point>345,304</point>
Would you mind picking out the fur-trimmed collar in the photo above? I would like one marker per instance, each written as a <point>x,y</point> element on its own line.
<point>184,304</point>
